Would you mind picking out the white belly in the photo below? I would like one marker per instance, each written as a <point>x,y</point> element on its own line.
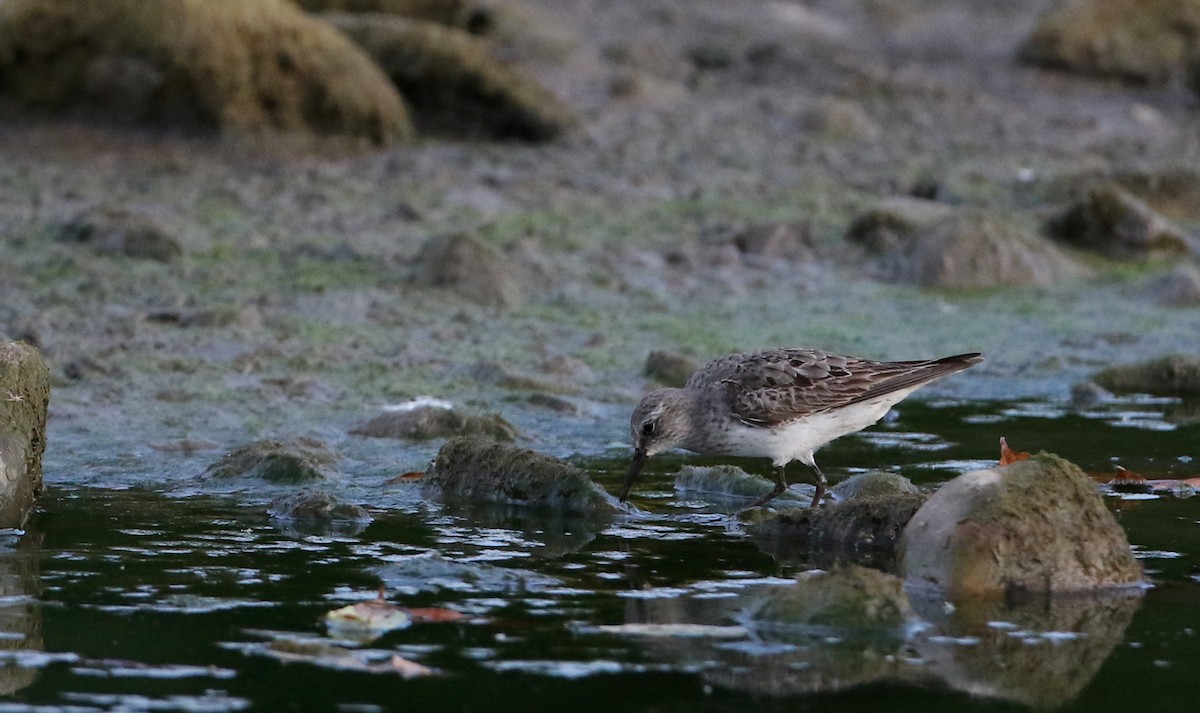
<point>797,440</point>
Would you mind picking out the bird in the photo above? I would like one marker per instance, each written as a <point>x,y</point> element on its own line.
<point>781,404</point>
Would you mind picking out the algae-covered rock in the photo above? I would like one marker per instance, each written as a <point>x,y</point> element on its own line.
<point>1167,376</point>
<point>849,597</point>
<point>454,83</point>
<point>317,507</point>
<point>1037,525</point>
<point>469,267</point>
<point>862,531</point>
<point>429,421</point>
<point>301,460</point>
<point>24,401</point>
<point>1136,40</point>
<point>485,471</point>
<point>728,481</point>
<point>249,65</point>
<point>119,230</point>
<point>873,484</point>
<point>468,14</point>
<point>669,368</point>
<point>1112,221</point>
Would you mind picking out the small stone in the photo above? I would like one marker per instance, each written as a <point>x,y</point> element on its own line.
<point>872,484</point>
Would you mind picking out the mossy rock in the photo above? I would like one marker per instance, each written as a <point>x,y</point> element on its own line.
<point>454,83</point>
<point>302,460</point>
<point>228,66</point>
<point>862,531</point>
<point>469,15</point>
<point>873,484</point>
<point>425,422</point>
<point>1035,526</point>
<point>849,597</point>
<point>24,401</point>
<point>891,223</point>
<point>483,471</point>
<point>1165,376</point>
<point>1141,41</point>
<point>1112,221</point>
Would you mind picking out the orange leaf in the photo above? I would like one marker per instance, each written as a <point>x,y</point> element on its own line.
<point>433,614</point>
<point>405,477</point>
<point>1008,455</point>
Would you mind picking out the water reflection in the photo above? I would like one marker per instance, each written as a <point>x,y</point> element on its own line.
<point>1040,653</point>
<point>20,612</point>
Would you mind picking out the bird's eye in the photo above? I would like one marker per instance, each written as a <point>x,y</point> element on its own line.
<point>648,428</point>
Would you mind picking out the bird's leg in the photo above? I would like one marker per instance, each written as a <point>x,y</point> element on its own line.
<point>780,486</point>
<point>821,483</point>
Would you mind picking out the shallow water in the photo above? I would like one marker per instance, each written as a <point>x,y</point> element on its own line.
<point>133,599</point>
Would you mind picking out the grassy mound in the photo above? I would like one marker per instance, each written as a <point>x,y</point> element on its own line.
<point>250,65</point>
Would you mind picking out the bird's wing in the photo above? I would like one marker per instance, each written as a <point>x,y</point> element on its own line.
<point>779,385</point>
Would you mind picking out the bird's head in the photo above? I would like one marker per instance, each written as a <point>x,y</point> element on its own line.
<point>659,423</point>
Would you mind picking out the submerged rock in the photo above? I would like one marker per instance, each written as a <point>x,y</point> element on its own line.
<point>454,82</point>
<point>480,470</point>
<point>301,460</point>
<point>119,230</point>
<point>1037,525</point>
<point>729,481</point>
<point>24,401</point>
<point>251,65</point>
<point>468,266</point>
<point>316,506</point>
<point>862,531</point>
<point>873,484</point>
<point>1112,221</point>
<point>430,421</point>
<point>1140,41</point>
<point>1166,376</point>
<point>669,368</point>
<point>849,597</point>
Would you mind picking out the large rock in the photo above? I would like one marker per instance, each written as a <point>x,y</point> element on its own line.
<point>1141,41</point>
<point>454,83</point>
<point>482,471</point>
<point>24,400</point>
<point>1112,221</point>
<point>1166,376</point>
<point>1037,525</point>
<point>248,65</point>
<point>932,245</point>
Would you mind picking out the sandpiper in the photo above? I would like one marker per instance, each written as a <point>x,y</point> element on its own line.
<point>781,404</point>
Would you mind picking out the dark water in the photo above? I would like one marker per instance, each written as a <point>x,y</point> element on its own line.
<point>133,600</point>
